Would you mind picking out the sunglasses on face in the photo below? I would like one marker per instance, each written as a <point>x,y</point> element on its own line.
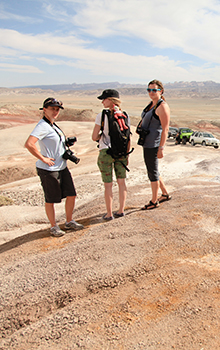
<point>153,90</point>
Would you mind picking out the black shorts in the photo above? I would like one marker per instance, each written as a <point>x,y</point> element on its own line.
<point>56,184</point>
<point>151,161</point>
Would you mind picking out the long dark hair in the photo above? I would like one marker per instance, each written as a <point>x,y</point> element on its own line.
<point>160,86</point>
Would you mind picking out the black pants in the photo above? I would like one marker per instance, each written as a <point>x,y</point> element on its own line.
<point>151,162</point>
<point>56,184</point>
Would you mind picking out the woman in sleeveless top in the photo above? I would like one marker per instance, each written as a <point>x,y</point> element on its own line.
<point>156,120</point>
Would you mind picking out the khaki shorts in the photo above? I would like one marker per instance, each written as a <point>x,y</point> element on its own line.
<point>106,164</point>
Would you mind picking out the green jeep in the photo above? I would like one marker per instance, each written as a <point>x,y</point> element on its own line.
<point>183,135</point>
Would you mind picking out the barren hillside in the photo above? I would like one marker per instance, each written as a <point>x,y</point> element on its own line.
<point>149,280</point>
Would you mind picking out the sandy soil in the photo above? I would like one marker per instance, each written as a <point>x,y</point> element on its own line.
<point>149,280</point>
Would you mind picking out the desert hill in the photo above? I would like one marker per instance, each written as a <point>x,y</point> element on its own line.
<point>149,280</point>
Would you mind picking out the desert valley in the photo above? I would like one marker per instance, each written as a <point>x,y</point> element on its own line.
<point>149,280</point>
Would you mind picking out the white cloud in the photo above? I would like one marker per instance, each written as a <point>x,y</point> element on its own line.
<point>189,27</point>
<point>70,52</point>
<point>19,68</point>
<point>42,43</point>
<point>192,26</point>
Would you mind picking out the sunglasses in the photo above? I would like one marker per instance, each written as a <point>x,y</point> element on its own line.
<point>54,100</point>
<point>153,90</point>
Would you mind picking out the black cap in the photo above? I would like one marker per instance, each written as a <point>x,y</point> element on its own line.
<point>50,101</point>
<point>108,93</point>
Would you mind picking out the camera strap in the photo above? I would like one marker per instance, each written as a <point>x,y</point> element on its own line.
<point>146,109</point>
<point>52,126</point>
<point>68,154</point>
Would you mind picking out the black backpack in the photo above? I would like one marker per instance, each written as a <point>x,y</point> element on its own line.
<point>119,137</point>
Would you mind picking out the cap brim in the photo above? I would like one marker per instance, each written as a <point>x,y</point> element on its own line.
<point>51,106</point>
<point>101,97</point>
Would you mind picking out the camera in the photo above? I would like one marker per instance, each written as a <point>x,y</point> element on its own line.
<point>70,155</point>
<point>70,141</point>
<point>142,135</point>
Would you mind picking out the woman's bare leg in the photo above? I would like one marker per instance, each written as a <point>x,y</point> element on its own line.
<point>108,198</point>
<point>122,194</point>
<point>50,211</point>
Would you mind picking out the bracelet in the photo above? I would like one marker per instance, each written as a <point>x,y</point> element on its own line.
<point>161,147</point>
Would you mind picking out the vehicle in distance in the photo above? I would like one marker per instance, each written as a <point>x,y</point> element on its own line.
<point>172,132</point>
<point>183,135</point>
<point>204,138</point>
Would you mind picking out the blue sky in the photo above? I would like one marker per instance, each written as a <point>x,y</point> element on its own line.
<point>129,41</point>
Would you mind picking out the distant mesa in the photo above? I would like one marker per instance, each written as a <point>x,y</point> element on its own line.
<point>193,89</point>
<point>86,87</point>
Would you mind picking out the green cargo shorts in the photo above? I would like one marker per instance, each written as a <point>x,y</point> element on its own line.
<point>106,164</point>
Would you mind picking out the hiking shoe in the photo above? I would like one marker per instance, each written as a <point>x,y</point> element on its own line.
<point>73,225</point>
<point>107,218</point>
<point>56,231</point>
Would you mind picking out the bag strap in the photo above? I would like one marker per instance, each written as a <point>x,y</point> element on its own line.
<point>109,151</point>
<point>156,106</point>
<point>147,108</point>
<point>54,124</point>
<point>127,155</point>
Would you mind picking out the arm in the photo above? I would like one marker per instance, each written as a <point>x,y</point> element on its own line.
<point>95,135</point>
<point>30,144</point>
<point>129,145</point>
<point>164,115</point>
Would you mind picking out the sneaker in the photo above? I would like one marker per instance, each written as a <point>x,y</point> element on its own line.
<point>73,225</point>
<point>56,231</point>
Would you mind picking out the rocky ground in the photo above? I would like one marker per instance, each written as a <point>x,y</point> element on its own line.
<point>149,280</point>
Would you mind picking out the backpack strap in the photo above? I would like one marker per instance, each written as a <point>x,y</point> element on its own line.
<point>102,121</point>
<point>109,151</point>
<point>104,112</point>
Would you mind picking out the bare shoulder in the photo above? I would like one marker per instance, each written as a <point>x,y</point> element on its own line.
<point>163,107</point>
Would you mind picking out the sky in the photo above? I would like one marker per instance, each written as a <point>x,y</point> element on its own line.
<point>45,42</point>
